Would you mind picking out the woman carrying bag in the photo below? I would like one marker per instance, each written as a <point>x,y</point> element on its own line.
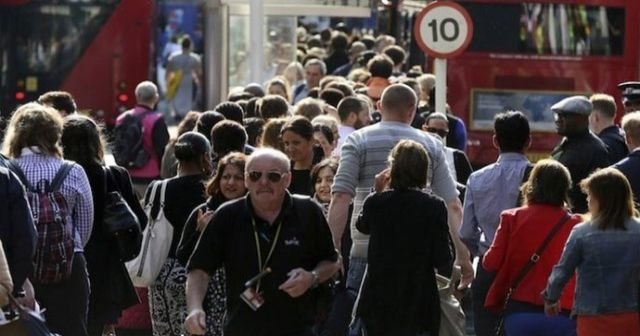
<point>539,228</point>
<point>111,287</point>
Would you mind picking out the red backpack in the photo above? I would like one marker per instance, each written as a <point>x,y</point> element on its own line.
<point>54,249</point>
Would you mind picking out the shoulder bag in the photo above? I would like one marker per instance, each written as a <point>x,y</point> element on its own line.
<point>527,267</point>
<point>452,318</point>
<point>156,242</point>
<point>120,222</point>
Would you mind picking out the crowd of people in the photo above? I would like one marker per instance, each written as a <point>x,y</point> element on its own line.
<point>322,202</point>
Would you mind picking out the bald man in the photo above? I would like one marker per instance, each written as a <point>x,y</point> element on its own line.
<point>364,154</point>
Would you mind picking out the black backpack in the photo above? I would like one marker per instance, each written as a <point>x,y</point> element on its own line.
<point>128,149</point>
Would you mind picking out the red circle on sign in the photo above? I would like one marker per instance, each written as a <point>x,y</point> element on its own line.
<point>432,6</point>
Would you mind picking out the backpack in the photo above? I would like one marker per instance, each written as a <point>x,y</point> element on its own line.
<point>54,248</point>
<point>128,149</point>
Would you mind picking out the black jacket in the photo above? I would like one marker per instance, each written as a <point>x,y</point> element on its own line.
<point>17,230</point>
<point>630,167</point>
<point>613,138</point>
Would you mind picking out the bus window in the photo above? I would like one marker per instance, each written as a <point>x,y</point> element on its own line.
<point>547,29</point>
<point>40,42</point>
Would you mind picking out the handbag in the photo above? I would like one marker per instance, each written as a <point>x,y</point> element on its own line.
<point>27,322</point>
<point>156,242</point>
<point>526,268</point>
<point>120,222</point>
<point>452,318</point>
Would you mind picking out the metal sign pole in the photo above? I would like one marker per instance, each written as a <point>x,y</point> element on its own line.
<point>440,67</point>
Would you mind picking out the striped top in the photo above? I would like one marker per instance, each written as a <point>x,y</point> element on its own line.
<point>75,188</point>
<point>364,154</point>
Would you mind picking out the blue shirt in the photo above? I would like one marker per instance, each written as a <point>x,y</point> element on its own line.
<point>489,191</point>
<point>607,264</point>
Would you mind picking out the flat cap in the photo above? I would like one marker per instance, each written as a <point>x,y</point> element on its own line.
<point>630,91</point>
<point>574,104</point>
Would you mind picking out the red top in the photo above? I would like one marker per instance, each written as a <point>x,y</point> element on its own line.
<point>520,233</point>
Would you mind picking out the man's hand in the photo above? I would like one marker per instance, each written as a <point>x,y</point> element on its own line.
<point>551,308</point>
<point>466,270</point>
<point>298,283</point>
<point>204,217</point>
<point>196,324</point>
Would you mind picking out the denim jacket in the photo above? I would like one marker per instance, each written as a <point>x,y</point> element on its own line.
<point>608,269</point>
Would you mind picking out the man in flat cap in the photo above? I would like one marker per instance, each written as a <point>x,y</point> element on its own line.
<point>580,150</point>
<point>630,96</point>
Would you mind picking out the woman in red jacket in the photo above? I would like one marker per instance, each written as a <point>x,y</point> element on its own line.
<point>521,231</point>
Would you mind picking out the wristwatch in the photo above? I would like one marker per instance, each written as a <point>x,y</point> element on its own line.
<point>315,279</point>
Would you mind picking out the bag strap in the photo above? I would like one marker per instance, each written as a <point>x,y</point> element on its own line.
<point>163,190</point>
<point>536,255</point>
<point>109,179</point>
<point>60,176</point>
<point>15,168</point>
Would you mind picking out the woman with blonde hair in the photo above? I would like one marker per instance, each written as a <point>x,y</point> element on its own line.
<point>604,252</point>
<point>279,86</point>
<point>33,142</point>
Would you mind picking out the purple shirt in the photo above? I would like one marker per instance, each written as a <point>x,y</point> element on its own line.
<point>75,188</point>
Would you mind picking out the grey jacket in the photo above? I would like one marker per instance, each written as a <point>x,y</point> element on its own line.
<point>608,269</point>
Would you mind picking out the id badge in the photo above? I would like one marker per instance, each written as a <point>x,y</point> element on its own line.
<point>252,298</point>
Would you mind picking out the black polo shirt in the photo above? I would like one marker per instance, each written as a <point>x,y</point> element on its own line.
<point>304,241</point>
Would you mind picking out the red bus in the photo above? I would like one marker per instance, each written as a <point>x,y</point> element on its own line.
<point>527,56</point>
<point>96,49</point>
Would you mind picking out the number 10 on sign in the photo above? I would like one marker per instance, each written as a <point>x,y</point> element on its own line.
<point>443,29</point>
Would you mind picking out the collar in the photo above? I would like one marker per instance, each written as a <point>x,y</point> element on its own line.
<point>511,156</point>
<point>394,123</point>
<point>345,128</point>
<point>611,129</point>
<point>579,135</point>
<point>32,150</point>
<point>285,209</point>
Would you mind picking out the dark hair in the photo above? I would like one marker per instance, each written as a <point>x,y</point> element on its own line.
<point>330,163</point>
<point>368,41</point>
<point>325,34</point>
<point>512,131</point>
<point>314,42</point>
<point>231,111</point>
<point>611,190</point>
<point>314,93</point>
<point>548,183</point>
<point>212,187</point>
<point>186,42</point>
<point>343,86</point>
<point>252,108</point>
<point>380,66</point>
<point>325,130</point>
<point>409,163</point>
<point>191,146</point>
<point>300,126</point>
<point>206,121</point>
<point>331,96</point>
<point>82,140</point>
<point>188,123</point>
<point>339,41</point>
<point>349,105</point>
<point>228,136</point>
<point>271,133</point>
<point>59,100</point>
<point>254,128</point>
<point>255,89</point>
<point>240,96</point>
<point>273,106</point>
<point>395,53</point>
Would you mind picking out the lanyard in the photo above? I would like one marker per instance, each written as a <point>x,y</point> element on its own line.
<point>262,266</point>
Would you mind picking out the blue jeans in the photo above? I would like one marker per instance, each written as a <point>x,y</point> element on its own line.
<point>537,324</point>
<point>357,268</point>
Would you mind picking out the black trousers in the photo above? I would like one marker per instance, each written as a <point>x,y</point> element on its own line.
<point>67,302</point>
<point>484,321</point>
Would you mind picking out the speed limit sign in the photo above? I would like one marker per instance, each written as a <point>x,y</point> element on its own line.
<point>443,29</point>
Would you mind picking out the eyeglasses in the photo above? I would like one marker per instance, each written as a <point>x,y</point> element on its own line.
<point>441,132</point>
<point>272,176</point>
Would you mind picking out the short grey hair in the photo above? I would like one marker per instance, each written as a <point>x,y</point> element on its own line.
<point>280,157</point>
<point>146,92</point>
<point>318,62</point>
<point>436,116</point>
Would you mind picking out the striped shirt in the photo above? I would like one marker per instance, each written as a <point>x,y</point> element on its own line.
<point>75,188</point>
<point>364,154</point>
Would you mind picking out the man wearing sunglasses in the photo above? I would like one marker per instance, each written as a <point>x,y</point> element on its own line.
<point>275,248</point>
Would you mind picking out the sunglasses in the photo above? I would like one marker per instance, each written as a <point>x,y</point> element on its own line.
<point>272,176</point>
<point>441,132</point>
